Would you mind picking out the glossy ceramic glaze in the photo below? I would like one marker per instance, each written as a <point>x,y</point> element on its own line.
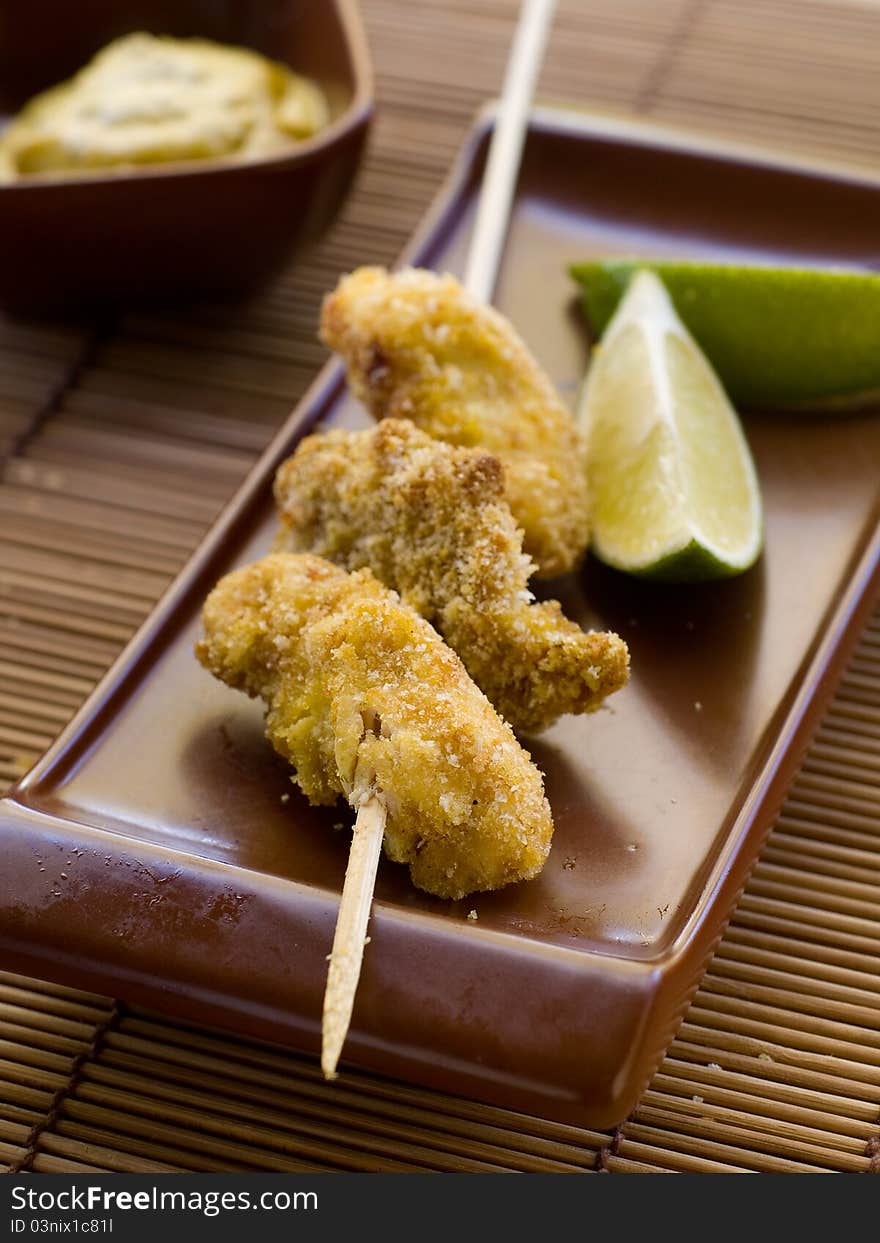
<point>185,230</point>
<point>155,853</point>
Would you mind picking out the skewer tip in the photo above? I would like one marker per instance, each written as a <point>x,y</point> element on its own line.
<point>351,926</point>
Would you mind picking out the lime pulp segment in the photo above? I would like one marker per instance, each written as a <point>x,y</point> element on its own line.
<point>673,487</point>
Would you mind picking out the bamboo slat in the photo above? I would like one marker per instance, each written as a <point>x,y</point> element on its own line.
<point>119,445</point>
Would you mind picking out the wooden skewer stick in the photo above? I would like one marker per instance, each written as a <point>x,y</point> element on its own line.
<point>486,245</point>
<point>505,151</point>
<point>351,929</point>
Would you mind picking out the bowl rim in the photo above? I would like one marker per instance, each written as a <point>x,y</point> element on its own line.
<point>302,152</point>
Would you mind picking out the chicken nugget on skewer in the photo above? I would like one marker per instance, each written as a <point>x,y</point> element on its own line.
<point>418,346</point>
<point>364,698</point>
<point>431,521</point>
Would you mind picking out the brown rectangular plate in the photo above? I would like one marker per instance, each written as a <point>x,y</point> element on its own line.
<point>154,854</point>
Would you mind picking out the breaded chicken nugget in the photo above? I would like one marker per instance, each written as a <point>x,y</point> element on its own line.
<point>431,521</point>
<point>417,345</point>
<point>362,697</point>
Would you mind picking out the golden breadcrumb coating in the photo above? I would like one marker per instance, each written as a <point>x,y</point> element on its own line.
<point>431,521</point>
<point>363,695</point>
<point>419,346</point>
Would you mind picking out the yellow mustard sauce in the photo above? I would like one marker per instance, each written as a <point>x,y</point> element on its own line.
<point>147,100</point>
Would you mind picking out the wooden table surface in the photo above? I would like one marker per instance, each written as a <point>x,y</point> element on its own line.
<point>118,444</point>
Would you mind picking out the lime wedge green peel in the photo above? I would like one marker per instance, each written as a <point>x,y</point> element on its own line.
<point>674,490</point>
<point>777,337</point>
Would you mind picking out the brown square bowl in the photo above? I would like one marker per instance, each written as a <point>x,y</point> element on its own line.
<point>177,230</point>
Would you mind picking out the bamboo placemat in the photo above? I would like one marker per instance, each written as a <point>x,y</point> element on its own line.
<point>120,442</point>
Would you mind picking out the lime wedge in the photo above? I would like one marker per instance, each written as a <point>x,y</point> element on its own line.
<point>777,337</point>
<point>674,490</point>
